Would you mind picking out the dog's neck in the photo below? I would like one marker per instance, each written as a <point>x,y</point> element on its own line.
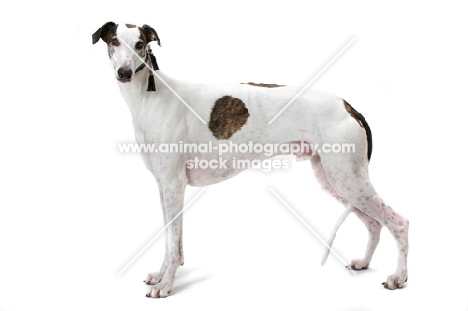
<point>136,95</point>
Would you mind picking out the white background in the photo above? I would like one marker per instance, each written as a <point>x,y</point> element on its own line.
<point>74,211</point>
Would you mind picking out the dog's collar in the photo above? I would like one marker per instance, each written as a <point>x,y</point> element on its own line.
<point>142,65</point>
<point>150,62</point>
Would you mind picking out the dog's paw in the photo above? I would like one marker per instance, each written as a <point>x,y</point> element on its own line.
<point>160,290</point>
<point>153,278</point>
<point>395,281</point>
<point>358,264</point>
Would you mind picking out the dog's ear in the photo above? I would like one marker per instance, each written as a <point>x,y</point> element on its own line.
<point>150,34</point>
<point>102,32</point>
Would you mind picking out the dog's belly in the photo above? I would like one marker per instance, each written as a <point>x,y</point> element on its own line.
<point>207,169</point>
<point>205,177</point>
<point>211,169</point>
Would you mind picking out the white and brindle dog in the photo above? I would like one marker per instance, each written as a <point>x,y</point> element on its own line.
<point>240,113</point>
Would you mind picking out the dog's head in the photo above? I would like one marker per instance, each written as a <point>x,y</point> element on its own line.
<point>119,39</point>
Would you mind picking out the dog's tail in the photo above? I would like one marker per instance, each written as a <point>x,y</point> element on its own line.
<point>362,121</point>
<point>340,221</point>
<point>368,134</point>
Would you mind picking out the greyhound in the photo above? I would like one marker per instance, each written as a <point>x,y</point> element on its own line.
<point>239,114</point>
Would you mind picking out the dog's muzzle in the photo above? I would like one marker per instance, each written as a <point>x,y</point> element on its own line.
<point>124,75</point>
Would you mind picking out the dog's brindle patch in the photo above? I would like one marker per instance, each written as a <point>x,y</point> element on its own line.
<point>105,33</point>
<point>352,112</point>
<point>110,34</point>
<point>363,123</point>
<point>130,26</point>
<point>108,38</point>
<point>229,114</point>
<point>263,84</point>
<point>142,35</point>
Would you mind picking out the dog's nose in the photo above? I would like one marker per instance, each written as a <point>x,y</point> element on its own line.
<point>125,74</point>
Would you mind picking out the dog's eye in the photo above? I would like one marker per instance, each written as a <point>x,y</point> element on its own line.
<point>139,45</point>
<point>115,42</point>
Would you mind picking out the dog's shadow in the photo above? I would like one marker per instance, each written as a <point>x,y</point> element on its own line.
<point>186,277</point>
<point>361,272</point>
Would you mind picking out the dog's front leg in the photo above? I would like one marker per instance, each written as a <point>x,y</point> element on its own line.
<point>172,191</point>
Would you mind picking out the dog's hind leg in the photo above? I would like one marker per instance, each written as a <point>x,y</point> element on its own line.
<point>348,175</point>
<point>373,226</point>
